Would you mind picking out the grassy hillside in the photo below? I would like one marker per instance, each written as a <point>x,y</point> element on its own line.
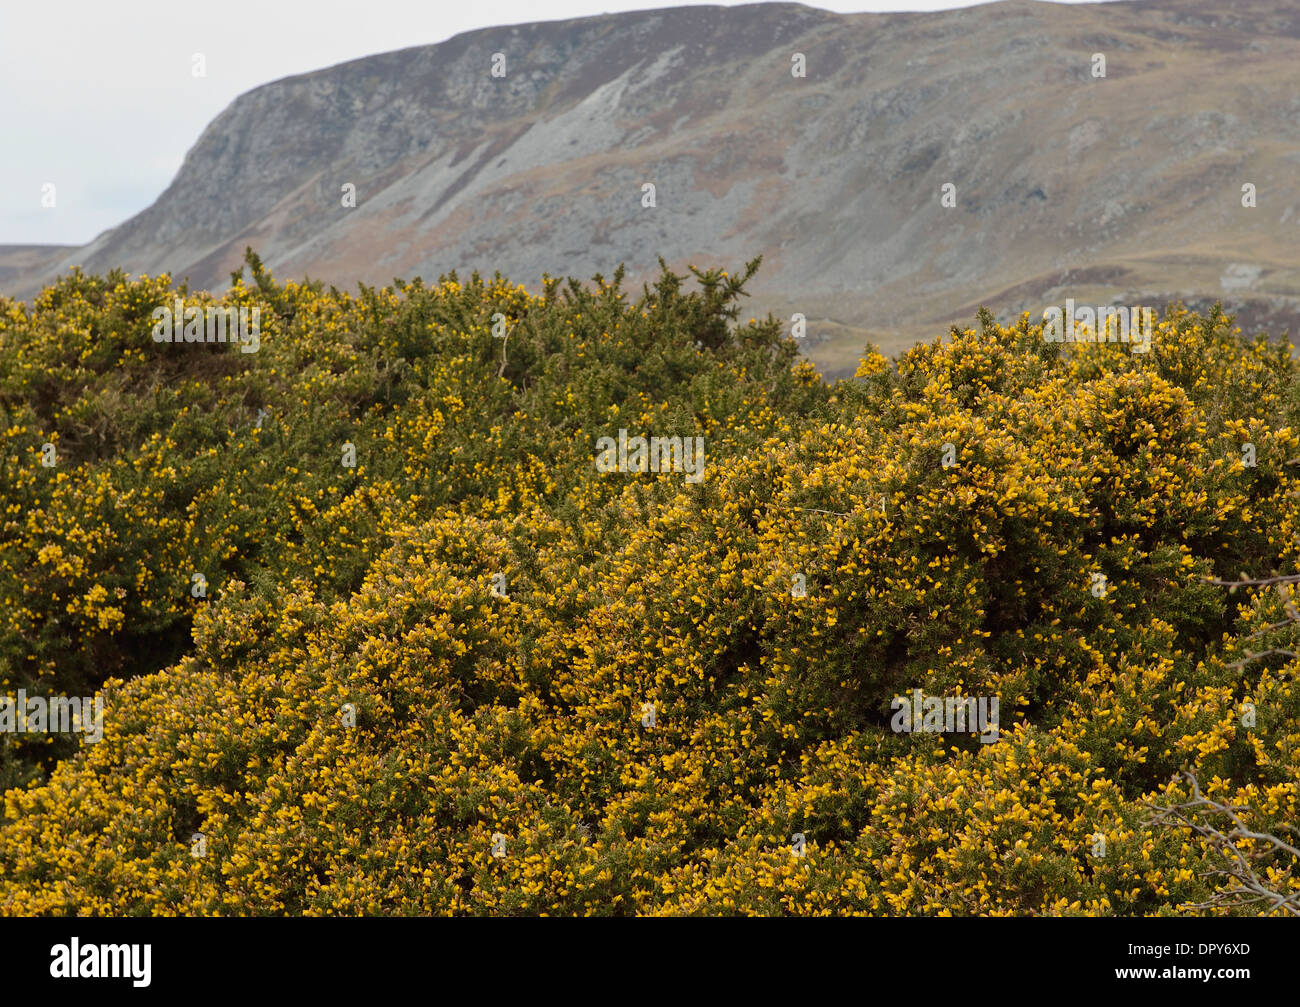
<point>472,673</point>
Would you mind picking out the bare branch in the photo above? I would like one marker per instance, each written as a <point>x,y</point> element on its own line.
<point>1293,578</point>
<point>1267,629</point>
<point>502,369</point>
<point>1249,889</point>
<point>1262,653</point>
<point>814,510</point>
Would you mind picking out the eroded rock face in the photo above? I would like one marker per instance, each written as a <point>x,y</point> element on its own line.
<point>1065,184</point>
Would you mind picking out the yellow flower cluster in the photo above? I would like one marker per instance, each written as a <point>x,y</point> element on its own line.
<point>470,674</point>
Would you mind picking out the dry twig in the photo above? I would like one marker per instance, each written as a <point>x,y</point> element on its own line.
<point>1250,888</point>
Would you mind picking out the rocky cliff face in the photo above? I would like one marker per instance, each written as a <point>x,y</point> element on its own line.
<point>1122,189</point>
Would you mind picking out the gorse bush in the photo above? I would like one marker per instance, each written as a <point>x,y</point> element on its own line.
<point>473,674</point>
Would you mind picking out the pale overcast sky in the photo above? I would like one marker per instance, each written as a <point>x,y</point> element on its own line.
<point>99,98</point>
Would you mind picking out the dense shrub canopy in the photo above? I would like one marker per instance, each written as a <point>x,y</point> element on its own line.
<point>356,717</point>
